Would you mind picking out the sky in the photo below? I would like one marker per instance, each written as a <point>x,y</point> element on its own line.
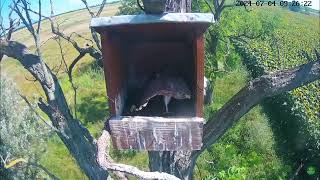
<point>61,6</point>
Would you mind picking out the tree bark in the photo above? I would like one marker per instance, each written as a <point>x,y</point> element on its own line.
<point>76,138</point>
<point>178,163</point>
<point>178,6</point>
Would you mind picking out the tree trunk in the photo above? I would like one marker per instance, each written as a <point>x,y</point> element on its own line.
<point>177,163</point>
<point>76,137</point>
<point>179,6</point>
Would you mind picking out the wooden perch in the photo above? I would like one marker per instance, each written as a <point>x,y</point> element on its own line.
<point>103,143</point>
<point>157,133</point>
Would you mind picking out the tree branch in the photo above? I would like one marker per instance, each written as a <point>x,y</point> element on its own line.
<point>39,20</point>
<point>209,6</point>
<point>6,33</point>
<point>50,174</point>
<point>252,94</point>
<point>39,116</point>
<point>88,8</point>
<point>105,163</point>
<point>101,8</point>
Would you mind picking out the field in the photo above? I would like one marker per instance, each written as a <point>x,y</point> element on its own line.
<point>248,151</point>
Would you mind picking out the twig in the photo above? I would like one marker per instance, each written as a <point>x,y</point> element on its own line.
<point>37,114</point>
<point>101,7</point>
<point>69,72</point>
<point>87,6</point>
<point>296,172</point>
<point>51,175</point>
<point>209,6</point>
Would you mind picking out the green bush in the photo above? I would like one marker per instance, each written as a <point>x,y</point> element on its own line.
<point>21,134</point>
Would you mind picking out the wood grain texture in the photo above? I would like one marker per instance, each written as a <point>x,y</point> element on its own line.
<point>156,133</point>
<point>199,74</point>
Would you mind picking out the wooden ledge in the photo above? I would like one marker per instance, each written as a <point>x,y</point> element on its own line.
<point>157,133</point>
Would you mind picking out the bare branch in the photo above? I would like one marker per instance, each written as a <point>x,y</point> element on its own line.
<point>101,8</point>
<point>25,4</point>
<point>251,95</point>
<point>51,8</point>
<point>38,115</point>
<point>103,160</point>
<point>39,20</point>
<point>13,24</point>
<point>50,174</point>
<point>93,32</point>
<point>221,4</point>
<point>74,62</point>
<point>76,137</point>
<point>88,8</point>
<point>209,6</point>
<point>17,10</point>
<point>69,71</point>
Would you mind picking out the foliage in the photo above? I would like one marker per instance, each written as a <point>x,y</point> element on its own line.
<point>128,7</point>
<point>21,134</point>
<point>295,114</point>
<point>246,151</point>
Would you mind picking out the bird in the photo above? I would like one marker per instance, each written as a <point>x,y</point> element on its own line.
<point>167,86</point>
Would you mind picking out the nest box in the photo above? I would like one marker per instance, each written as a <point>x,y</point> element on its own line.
<point>139,50</point>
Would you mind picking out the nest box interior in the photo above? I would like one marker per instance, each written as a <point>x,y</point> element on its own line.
<point>136,49</point>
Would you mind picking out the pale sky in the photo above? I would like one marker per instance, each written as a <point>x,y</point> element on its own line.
<point>315,4</point>
<point>61,6</point>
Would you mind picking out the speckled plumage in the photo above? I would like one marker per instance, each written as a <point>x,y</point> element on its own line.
<point>166,86</point>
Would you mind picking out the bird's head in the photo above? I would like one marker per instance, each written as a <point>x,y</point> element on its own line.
<point>181,89</point>
<point>183,95</point>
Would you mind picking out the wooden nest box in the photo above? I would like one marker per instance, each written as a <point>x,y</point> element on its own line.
<point>147,60</point>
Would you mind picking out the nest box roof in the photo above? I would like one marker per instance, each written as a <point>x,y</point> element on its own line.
<point>206,18</point>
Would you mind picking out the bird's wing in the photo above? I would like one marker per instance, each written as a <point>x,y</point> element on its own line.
<point>163,85</point>
<point>149,96</point>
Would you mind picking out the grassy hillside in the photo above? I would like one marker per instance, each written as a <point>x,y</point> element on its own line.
<point>247,151</point>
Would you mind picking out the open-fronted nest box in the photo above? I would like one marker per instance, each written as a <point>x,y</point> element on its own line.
<point>154,70</point>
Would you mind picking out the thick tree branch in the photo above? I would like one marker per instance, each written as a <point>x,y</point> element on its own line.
<point>103,159</point>
<point>252,94</point>
<point>76,138</point>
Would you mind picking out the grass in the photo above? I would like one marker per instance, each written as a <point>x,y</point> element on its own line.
<point>59,162</point>
<point>91,86</point>
<point>249,142</point>
<point>253,131</point>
